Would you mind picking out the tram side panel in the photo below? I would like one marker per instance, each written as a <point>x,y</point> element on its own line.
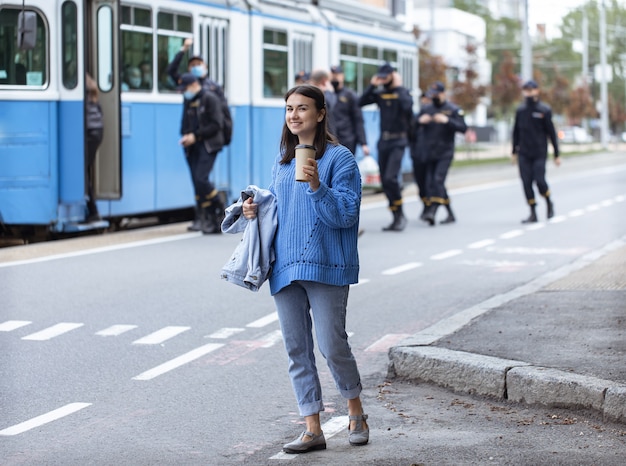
<point>28,162</point>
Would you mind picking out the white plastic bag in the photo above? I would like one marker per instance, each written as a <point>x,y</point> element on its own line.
<point>370,174</point>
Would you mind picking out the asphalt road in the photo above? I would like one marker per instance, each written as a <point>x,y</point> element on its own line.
<point>129,349</point>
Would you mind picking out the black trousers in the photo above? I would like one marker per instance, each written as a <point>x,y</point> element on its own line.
<point>200,166</point>
<point>533,170</point>
<point>420,176</point>
<point>94,138</point>
<point>436,173</point>
<point>390,154</point>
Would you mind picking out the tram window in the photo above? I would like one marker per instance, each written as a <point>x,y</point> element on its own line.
<point>136,46</point>
<point>351,75</point>
<point>390,55</point>
<point>173,29</point>
<point>302,53</point>
<point>369,52</point>
<point>275,80</point>
<point>105,48</point>
<point>28,68</point>
<point>215,45</point>
<point>69,44</point>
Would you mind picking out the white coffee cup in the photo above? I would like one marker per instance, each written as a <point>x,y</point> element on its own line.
<point>303,152</point>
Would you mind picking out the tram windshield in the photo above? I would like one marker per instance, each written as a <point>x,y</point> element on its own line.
<point>26,68</point>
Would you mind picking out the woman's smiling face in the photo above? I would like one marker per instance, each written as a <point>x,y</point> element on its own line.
<point>302,117</point>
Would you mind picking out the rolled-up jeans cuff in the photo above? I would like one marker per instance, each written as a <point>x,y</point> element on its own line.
<point>352,393</point>
<point>310,409</point>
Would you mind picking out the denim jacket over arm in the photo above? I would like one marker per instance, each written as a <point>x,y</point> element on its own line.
<point>251,263</point>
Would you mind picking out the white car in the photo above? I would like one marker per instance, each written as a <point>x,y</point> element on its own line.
<point>574,134</point>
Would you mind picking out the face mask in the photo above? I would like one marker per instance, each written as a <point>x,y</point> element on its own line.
<point>189,95</point>
<point>530,100</point>
<point>147,78</point>
<point>436,101</point>
<point>134,82</point>
<point>335,85</point>
<point>198,71</point>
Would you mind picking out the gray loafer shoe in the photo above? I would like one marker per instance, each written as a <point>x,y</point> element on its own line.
<point>359,435</point>
<point>317,442</point>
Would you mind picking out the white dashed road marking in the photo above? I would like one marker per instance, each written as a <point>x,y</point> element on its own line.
<point>446,254</point>
<point>224,333</point>
<point>402,268</point>
<point>52,332</point>
<point>115,330</point>
<point>160,336</point>
<point>511,234</point>
<point>178,361</point>
<point>481,244</point>
<point>263,321</point>
<point>44,419</point>
<point>11,325</point>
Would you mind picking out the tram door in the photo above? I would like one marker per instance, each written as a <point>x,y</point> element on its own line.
<point>102,62</point>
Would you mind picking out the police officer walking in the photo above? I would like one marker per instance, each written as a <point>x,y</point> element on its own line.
<point>418,157</point>
<point>347,114</point>
<point>437,124</point>
<point>395,104</point>
<point>198,68</point>
<point>533,126</point>
<point>202,138</point>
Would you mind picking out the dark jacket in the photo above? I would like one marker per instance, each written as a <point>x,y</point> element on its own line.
<point>348,119</point>
<point>533,126</point>
<point>208,85</point>
<point>435,141</point>
<point>94,121</point>
<point>395,110</point>
<point>203,117</point>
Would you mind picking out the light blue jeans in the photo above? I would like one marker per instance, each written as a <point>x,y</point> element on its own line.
<point>296,303</point>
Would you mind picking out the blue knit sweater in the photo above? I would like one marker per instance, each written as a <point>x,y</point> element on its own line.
<point>316,238</point>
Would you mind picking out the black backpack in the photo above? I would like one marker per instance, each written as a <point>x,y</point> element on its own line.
<point>227,130</point>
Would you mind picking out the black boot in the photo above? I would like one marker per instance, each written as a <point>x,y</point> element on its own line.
<point>399,221</point>
<point>209,221</point>
<point>550,207</point>
<point>424,210</point>
<point>197,221</point>
<point>219,212</point>
<point>533,215</point>
<point>431,212</point>
<point>450,218</point>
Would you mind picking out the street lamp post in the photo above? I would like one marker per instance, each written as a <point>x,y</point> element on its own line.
<point>527,66</point>
<point>604,91</point>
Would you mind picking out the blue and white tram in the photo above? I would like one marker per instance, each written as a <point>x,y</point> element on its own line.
<point>253,47</point>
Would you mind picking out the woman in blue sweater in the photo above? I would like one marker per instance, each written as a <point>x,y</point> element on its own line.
<point>316,261</point>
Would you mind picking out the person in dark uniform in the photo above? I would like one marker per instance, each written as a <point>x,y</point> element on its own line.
<point>438,123</point>
<point>347,114</point>
<point>202,138</point>
<point>395,104</point>
<point>197,67</point>
<point>419,159</point>
<point>533,126</point>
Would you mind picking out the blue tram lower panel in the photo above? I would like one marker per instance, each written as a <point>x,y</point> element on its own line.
<point>28,162</point>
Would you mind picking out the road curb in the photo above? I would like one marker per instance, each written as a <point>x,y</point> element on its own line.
<point>506,379</point>
<point>419,358</point>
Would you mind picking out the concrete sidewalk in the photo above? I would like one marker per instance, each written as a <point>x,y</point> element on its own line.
<point>559,341</point>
